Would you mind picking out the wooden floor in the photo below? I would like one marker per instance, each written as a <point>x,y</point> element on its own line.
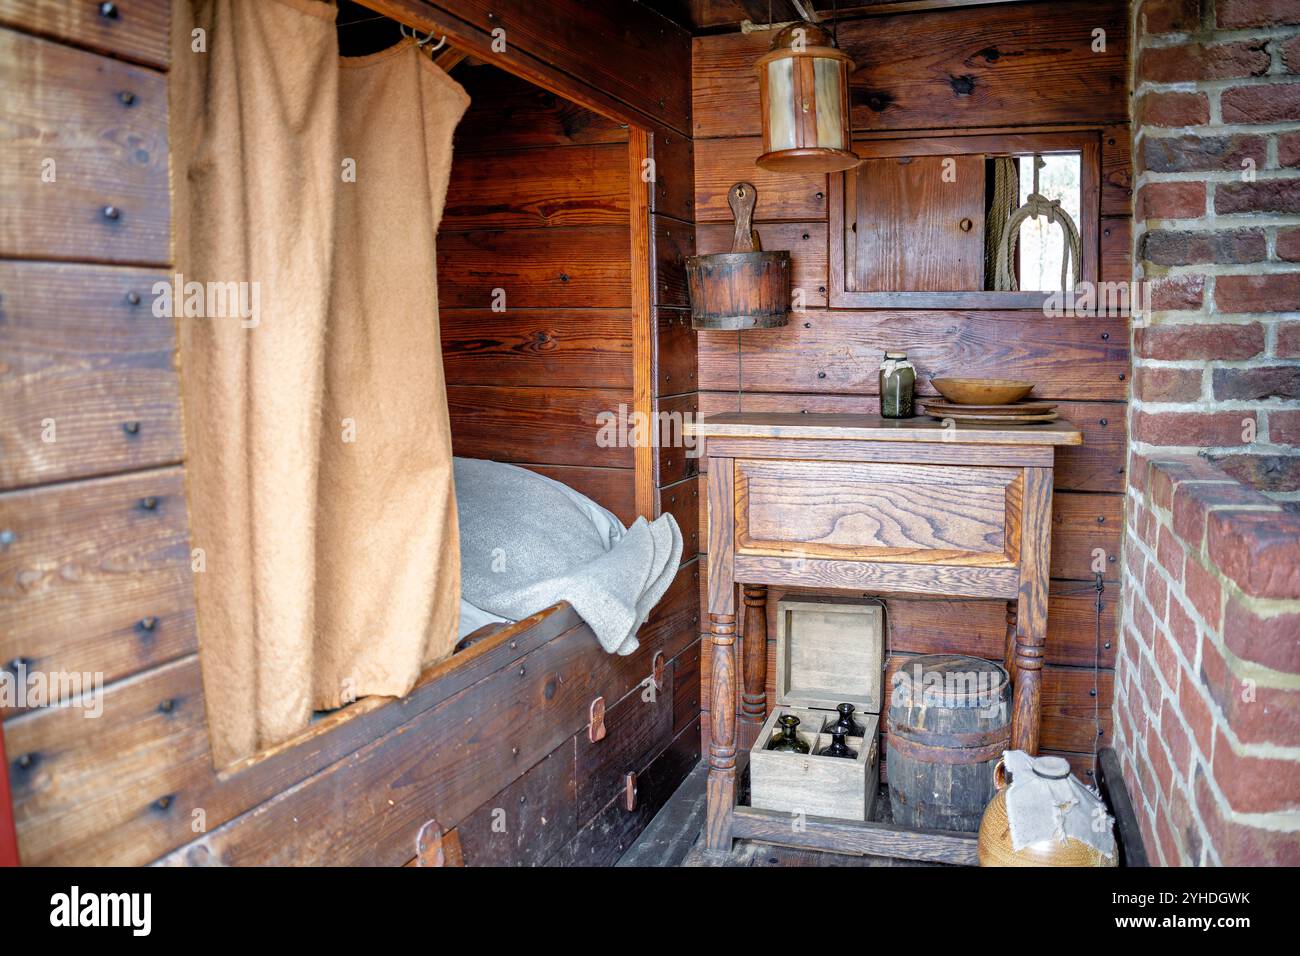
<point>673,838</point>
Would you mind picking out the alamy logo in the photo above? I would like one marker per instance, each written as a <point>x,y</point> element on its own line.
<point>102,909</point>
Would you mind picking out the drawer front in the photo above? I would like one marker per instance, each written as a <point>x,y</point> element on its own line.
<point>863,511</point>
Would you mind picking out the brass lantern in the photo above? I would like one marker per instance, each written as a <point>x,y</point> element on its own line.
<point>803,83</point>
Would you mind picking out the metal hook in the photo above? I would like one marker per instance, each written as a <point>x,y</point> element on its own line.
<point>422,44</point>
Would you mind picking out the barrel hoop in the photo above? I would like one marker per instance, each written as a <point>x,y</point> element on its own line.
<point>922,736</point>
<point>962,755</point>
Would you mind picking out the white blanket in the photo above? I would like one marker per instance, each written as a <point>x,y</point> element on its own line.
<point>527,542</point>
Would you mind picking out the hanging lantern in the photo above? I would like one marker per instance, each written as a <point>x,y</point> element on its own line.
<point>803,84</point>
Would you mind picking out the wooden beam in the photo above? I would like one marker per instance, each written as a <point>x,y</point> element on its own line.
<point>852,836</point>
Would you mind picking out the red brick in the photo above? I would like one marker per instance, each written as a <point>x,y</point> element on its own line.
<point>1175,109</point>
<point>1272,103</point>
<point>1288,340</point>
<point>1236,844</point>
<point>1175,738</point>
<point>1258,293</point>
<point>1192,153</point>
<point>1186,828</point>
<point>1156,590</point>
<point>1234,14</point>
<point>1262,195</point>
<point>1288,245</point>
<point>1273,717</point>
<point>1199,61</point>
<point>1180,292</point>
<point>1171,554</point>
<point>1259,550</point>
<point>1167,247</point>
<point>1167,384</point>
<point>1167,662</point>
<point>1257,384</point>
<point>1191,429</point>
<point>1205,592</point>
<point>1196,710</point>
<point>1288,149</point>
<point>1255,784</point>
<point>1172,16</point>
<point>1194,500</point>
<point>1183,630</point>
<point>1273,642</point>
<point>1138,467</point>
<point>1179,341</point>
<point>1291,54</point>
<point>1170,850</point>
<point>1164,773</point>
<point>1171,201</point>
<point>1265,473</point>
<point>1284,427</point>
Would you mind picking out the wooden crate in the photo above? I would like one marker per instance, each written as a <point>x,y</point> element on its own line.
<point>828,651</point>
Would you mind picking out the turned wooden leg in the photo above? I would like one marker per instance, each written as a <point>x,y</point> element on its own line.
<point>1009,651</point>
<point>1031,621</point>
<point>753,700</point>
<point>721,787</point>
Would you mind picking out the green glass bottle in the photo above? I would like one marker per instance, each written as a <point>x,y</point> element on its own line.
<point>897,386</point>
<point>846,724</point>
<point>786,739</point>
<point>838,747</point>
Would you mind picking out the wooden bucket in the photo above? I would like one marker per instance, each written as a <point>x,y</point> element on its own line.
<point>949,722</point>
<point>745,288</point>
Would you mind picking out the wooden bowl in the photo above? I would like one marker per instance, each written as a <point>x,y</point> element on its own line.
<point>982,391</point>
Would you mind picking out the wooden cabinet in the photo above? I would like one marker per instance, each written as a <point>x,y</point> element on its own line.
<point>907,226</point>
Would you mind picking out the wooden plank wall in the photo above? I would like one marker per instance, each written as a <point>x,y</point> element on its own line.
<point>94,545</point>
<point>996,68</point>
<point>535,286</point>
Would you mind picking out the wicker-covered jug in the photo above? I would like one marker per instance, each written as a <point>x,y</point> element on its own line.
<point>1059,821</point>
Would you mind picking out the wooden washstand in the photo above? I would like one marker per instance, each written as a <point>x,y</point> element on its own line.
<point>863,503</point>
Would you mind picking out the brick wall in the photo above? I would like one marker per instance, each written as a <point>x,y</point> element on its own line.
<point>1207,696</point>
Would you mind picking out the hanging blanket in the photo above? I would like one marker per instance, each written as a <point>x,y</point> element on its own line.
<point>527,542</point>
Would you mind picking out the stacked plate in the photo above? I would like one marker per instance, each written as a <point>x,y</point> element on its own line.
<point>1017,413</point>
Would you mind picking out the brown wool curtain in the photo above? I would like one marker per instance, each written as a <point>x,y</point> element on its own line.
<point>318,443</point>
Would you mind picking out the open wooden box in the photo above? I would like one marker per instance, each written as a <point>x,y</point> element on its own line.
<point>828,652</point>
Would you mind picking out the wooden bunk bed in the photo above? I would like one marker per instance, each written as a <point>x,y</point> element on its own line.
<point>578,747</point>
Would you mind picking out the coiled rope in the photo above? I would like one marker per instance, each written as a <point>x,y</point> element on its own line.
<point>1037,205</point>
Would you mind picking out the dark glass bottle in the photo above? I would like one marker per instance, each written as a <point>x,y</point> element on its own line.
<point>897,386</point>
<point>786,739</point>
<point>846,724</point>
<point>838,747</point>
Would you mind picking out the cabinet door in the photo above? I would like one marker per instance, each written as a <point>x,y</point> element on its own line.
<point>915,224</point>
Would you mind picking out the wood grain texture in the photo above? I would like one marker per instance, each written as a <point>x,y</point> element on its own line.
<point>720,163</point>
<point>637,728</point>
<point>584,267</point>
<point>910,204</point>
<point>874,839</point>
<point>860,576</point>
<point>628,53</point>
<point>1117,249</point>
<point>564,348</point>
<point>674,175</point>
<point>1096,465</point>
<point>103,123</point>
<point>529,820</point>
<point>582,185</point>
<point>136,30</point>
<point>97,579</point>
<point>682,501</point>
<point>79,353</point>
<point>1031,621</point>
<point>915,514</point>
<point>753,694</point>
<point>806,243</point>
<point>831,427</point>
<point>840,352</point>
<point>553,426</point>
<point>674,242</point>
<point>676,355</point>
<point>609,487</point>
<point>507,112</point>
<point>1019,64</point>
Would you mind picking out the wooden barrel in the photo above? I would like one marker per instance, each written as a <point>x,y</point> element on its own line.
<point>739,290</point>
<point>949,721</point>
